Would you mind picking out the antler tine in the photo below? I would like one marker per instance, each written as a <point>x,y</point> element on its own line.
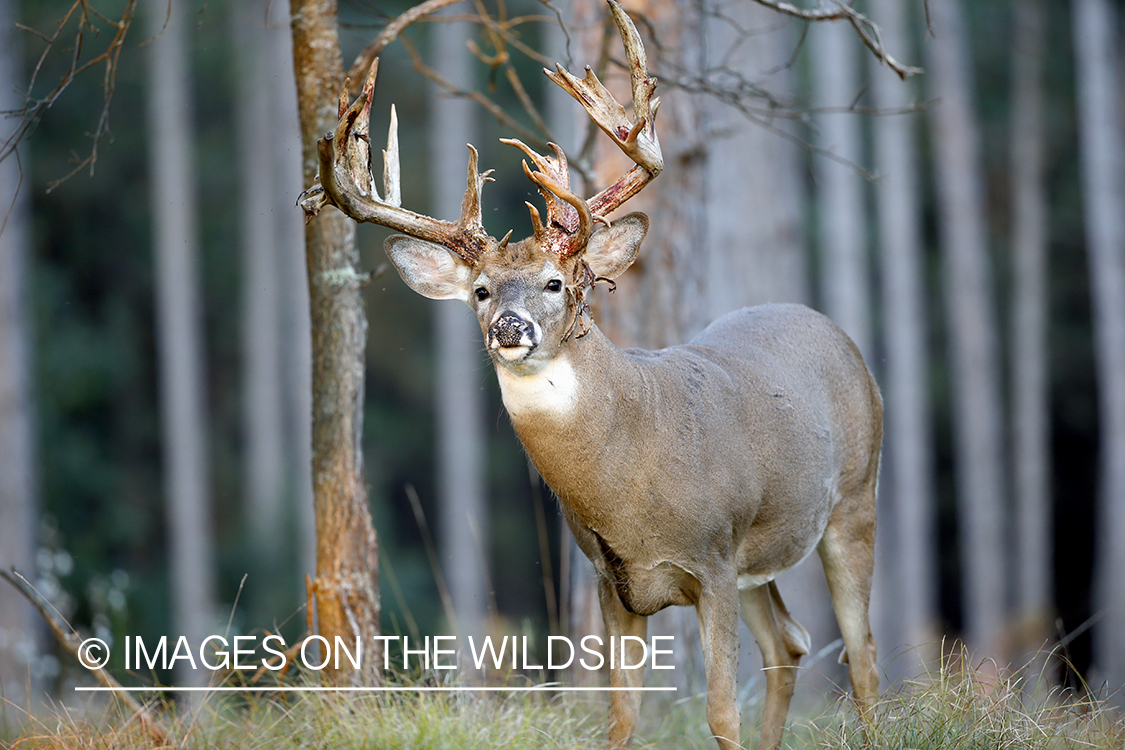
<point>392,174</point>
<point>636,138</point>
<point>471,216</point>
<point>345,181</point>
<point>569,220</point>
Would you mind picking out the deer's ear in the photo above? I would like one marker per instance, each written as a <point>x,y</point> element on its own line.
<point>612,249</point>
<point>429,269</point>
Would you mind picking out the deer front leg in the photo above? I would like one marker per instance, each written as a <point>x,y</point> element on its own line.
<point>718,631</point>
<point>624,705</point>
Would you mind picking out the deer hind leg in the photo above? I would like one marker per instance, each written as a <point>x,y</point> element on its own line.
<point>847,551</point>
<point>783,641</point>
<point>624,705</point>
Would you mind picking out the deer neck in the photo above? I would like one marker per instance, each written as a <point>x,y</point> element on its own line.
<point>564,412</point>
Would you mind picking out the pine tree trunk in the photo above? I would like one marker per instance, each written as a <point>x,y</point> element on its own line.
<point>841,215</point>
<point>179,321</point>
<point>1030,424</point>
<point>345,592</point>
<point>906,542</point>
<point>973,335</point>
<point>461,437</point>
<point>18,501</point>
<point>1103,194</point>
<point>263,434</point>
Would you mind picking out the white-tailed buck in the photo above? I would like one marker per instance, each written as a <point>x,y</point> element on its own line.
<point>692,475</point>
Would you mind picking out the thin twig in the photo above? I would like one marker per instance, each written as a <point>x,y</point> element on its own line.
<point>69,641</point>
<point>489,105</point>
<point>34,109</point>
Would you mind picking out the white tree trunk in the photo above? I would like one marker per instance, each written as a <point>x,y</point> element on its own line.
<point>276,346</point>
<point>973,337</point>
<point>1103,195</point>
<point>19,646</point>
<point>264,460</point>
<point>179,327</point>
<point>840,191</point>
<point>755,202</point>
<point>1030,421</point>
<point>905,545</point>
<point>461,436</point>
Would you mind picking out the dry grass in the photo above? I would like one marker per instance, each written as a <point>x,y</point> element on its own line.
<point>328,720</point>
<point>963,707</point>
<point>957,707</point>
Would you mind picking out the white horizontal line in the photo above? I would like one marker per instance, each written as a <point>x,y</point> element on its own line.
<point>388,689</point>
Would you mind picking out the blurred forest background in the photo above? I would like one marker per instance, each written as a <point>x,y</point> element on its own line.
<point>965,226</point>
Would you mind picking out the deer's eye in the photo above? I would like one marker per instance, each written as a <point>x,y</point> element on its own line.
<point>481,294</point>
<point>554,285</point>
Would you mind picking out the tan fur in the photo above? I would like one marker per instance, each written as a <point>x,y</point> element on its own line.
<point>681,470</point>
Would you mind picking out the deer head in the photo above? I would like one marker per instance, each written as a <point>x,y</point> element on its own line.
<point>530,296</point>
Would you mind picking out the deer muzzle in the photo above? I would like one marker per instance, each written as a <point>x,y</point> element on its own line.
<point>510,330</point>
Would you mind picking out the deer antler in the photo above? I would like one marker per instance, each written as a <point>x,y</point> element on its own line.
<point>568,227</point>
<point>345,181</point>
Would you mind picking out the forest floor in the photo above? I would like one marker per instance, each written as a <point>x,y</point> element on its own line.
<point>953,708</point>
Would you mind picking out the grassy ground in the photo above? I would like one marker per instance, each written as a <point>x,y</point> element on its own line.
<point>954,708</point>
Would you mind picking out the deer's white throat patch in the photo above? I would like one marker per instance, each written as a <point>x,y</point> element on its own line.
<point>551,389</point>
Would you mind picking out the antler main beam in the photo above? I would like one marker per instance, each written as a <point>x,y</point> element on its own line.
<point>345,181</point>
<point>636,137</point>
<point>345,178</point>
<point>570,220</point>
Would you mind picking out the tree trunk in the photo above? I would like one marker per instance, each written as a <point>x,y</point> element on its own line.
<point>905,545</point>
<point>18,507</point>
<point>345,592</point>
<point>263,461</point>
<point>840,191</point>
<point>1030,423</point>
<point>973,338</point>
<point>460,412</point>
<point>179,323</point>
<point>1103,194</point>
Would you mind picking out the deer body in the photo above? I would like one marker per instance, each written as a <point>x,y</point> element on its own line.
<point>692,475</point>
<point>726,440</point>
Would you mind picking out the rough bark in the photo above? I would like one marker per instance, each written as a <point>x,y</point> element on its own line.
<point>669,279</point>
<point>345,591</point>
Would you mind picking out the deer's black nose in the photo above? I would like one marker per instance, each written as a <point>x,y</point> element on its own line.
<point>509,330</point>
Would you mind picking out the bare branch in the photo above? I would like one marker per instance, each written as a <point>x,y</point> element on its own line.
<point>390,33</point>
<point>69,640</point>
<point>34,109</point>
<point>480,98</point>
<point>870,33</point>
